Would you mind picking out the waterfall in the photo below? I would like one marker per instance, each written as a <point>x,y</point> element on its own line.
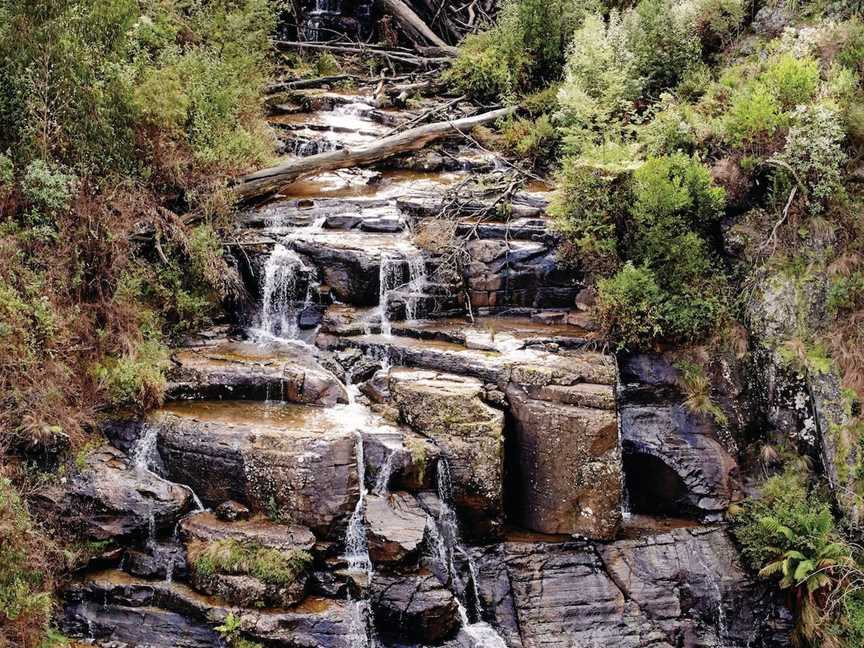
<point>319,16</point>
<point>144,450</point>
<point>390,281</point>
<point>278,310</point>
<point>356,550</point>
<point>389,275</point>
<point>445,538</point>
<point>416,282</point>
<point>382,481</point>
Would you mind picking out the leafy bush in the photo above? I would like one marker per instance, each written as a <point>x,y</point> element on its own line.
<point>135,380</point>
<point>600,79</point>
<point>588,207</point>
<point>664,45</point>
<point>535,139</point>
<point>673,129</point>
<point>25,573</point>
<point>814,154</point>
<point>753,118</point>
<point>522,52</point>
<point>48,190</point>
<point>715,21</point>
<point>630,307</point>
<point>792,80</point>
<point>269,565</point>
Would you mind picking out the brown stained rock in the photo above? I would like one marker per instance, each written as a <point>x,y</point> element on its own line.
<point>414,608</point>
<point>110,499</point>
<point>206,527</point>
<point>449,409</point>
<point>395,528</point>
<point>567,468</point>
<point>308,476</point>
<point>239,370</point>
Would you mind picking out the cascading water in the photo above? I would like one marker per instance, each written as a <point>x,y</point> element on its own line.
<point>278,309</point>
<point>445,539</point>
<point>356,549</point>
<point>391,281</point>
<point>322,14</point>
<point>382,481</point>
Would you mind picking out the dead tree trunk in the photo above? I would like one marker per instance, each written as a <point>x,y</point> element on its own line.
<point>270,180</point>
<point>414,25</point>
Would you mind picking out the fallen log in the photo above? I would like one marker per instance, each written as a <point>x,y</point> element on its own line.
<point>414,25</point>
<point>298,84</point>
<point>270,180</point>
<point>391,55</point>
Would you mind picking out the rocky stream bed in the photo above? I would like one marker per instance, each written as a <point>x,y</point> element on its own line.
<point>462,476</point>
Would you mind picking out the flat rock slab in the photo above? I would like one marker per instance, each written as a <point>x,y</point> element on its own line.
<point>395,528</point>
<point>261,531</point>
<point>111,499</point>
<point>291,459</point>
<point>244,370</point>
<point>158,614</point>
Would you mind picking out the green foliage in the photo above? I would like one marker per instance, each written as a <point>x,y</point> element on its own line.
<point>753,118</point>
<point>630,306</point>
<point>792,80</point>
<point>674,129</point>
<point>587,207</point>
<point>814,154</point>
<point>715,21</point>
<point>535,139</point>
<point>25,598</point>
<point>789,535</point>
<point>522,52</point>
<point>600,78</point>
<point>136,380</point>
<point>664,46</point>
<point>48,190</point>
<point>269,565</point>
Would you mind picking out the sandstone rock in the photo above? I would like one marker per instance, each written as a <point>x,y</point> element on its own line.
<point>414,608</point>
<point>302,467</point>
<point>568,467</point>
<point>449,410</point>
<point>232,511</point>
<point>249,592</point>
<point>403,460</point>
<point>206,527</point>
<point>395,528</point>
<point>351,271</point>
<point>681,588</point>
<point>772,20</point>
<point>112,500</point>
<point>116,607</point>
<point>240,370</point>
<point>165,561</point>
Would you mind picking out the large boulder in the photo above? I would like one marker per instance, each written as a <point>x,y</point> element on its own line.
<point>242,370</point>
<point>684,588</point>
<point>567,467</point>
<point>112,499</point>
<point>450,410</point>
<point>395,526</point>
<point>414,608</point>
<point>290,461</point>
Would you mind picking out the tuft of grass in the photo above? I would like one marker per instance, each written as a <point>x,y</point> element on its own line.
<point>269,565</point>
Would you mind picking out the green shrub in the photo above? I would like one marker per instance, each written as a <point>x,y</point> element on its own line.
<point>600,79</point>
<point>135,380</point>
<point>269,565</point>
<point>524,51</point>
<point>535,139</point>
<point>792,80</point>
<point>673,129</point>
<point>814,154</point>
<point>664,46</point>
<point>588,205</point>
<point>630,306</point>
<point>48,189</point>
<point>753,118</point>
<point>25,581</point>
<point>715,21</point>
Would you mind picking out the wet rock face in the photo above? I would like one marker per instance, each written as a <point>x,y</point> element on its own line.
<point>450,410</point>
<point>414,608</point>
<point>240,370</point>
<point>113,607</point>
<point>112,500</point>
<point>568,467</point>
<point>395,528</point>
<point>681,588</point>
<point>675,460</point>
<point>309,476</point>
